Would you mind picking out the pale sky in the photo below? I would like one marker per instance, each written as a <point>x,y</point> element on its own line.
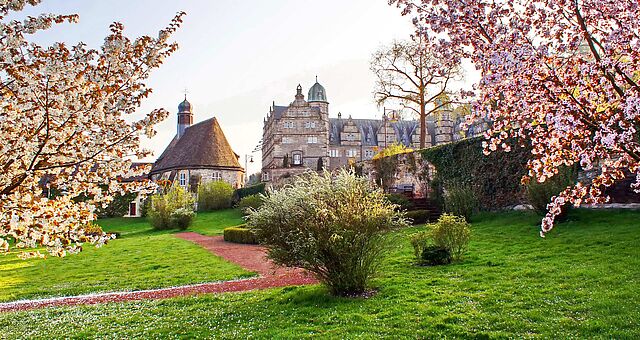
<point>237,56</point>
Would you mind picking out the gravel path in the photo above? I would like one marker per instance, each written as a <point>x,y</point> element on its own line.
<point>250,257</point>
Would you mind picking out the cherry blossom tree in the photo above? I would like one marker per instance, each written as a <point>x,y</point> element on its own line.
<point>414,75</point>
<point>560,74</point>
<point>65,123</point>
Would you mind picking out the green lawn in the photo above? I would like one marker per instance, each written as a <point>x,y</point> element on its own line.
<point>140,259</point>
<point>582,281</point>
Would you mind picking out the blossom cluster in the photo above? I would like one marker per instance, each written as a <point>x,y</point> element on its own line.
<point>66,128</point>
<point>562,75</point>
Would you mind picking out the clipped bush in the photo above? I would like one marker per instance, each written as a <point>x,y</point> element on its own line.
<point>540,194</point>
<point>181,218</point>
<point>336,228</point>
<point>162,206</point>
<point>214,195</point>
<point>256,189</point>
<point>240,234</point>
<point>418,216</point>
<point>433,255</point>
<point>250,202</point>
<point>400,200</point>
<point>461,200</point>
<point>451,233</point>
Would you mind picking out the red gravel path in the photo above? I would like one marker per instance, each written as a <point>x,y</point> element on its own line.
<point>250,257</point>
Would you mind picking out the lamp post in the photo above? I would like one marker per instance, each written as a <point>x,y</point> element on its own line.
<point>247,159</point>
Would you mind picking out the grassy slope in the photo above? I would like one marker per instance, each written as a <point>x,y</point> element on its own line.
<point>140,259</point>
<point>581,281</point>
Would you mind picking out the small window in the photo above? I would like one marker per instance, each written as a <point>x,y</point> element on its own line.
<point>334,153</point>
<point>289,125</point>
<point>297,159</point>
<point>351,137</point>
<point>368,154</point>
<point>216,176</point>
<point>312,139</point>
<point>352,153</point>
<point>183,180</point>
<point>287,140</point>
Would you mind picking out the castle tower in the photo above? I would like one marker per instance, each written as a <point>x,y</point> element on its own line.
<point>185,116</point>
<point>318,98</point>
<point>444,123</point>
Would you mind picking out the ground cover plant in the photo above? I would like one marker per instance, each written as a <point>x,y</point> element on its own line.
<point>140,258</point>
<point>579,282</point>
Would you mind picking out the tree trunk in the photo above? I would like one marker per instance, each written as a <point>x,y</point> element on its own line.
<point>423,126</point>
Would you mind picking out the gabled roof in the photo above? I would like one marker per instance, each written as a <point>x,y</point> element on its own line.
<point>203,146</point>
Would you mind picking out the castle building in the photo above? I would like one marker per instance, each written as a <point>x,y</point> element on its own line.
<point>302,136</point>
<point>198,153</point>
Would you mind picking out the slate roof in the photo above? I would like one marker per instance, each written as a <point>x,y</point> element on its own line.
<point>203,146</point>
<point>368,128</point>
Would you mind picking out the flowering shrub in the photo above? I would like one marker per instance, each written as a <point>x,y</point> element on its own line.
<point>165,204</point>
<point>214,195</point>
<point>181,218</point>
<point>451,233</point>
<point>334,228</point>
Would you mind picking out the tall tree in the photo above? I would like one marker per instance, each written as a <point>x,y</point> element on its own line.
<point>413,75</point>
<point>66,123</point>
<point>561,74</point>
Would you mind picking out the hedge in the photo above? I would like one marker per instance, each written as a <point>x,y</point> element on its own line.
<point>240,234</point>
<point>495,178</point>
<point>248,191</point>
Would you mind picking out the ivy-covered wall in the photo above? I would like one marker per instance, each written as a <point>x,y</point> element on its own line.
<point>494,178</point>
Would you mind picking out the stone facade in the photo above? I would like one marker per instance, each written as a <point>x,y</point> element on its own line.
<point>302,136</point>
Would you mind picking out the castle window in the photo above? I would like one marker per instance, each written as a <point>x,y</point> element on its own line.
<point>351,137</point>
<point>368,154</point>
<point>312,139</point>
<point>352,153</point>
<point>287,140</point>
<point>334,153</point>
<point>183,180</point>
<point>289,125</point>
<point>310,125</point>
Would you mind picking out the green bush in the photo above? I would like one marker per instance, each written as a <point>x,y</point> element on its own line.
<point>181,218</point>
<point>335,228</point>
<point>240,234</point>
<point>400,200</point>
<point>163,205</point>
<point>539,194</point>
<point>420,241</point>
<point>451,233</point>
<point>460,200</point>
<point>250,202</point>
<point>433,255</point>
<point>214,195</point>
<point>418,216</point>
<point>118,207</point>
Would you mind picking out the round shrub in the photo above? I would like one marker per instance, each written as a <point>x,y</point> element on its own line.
<point>162,206</point>
<point>181,218</point>
<point>451,233</point>
<point>250,202</point>
<point>240,234</point>
<point>334,228</point>
<point>214,195</point>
